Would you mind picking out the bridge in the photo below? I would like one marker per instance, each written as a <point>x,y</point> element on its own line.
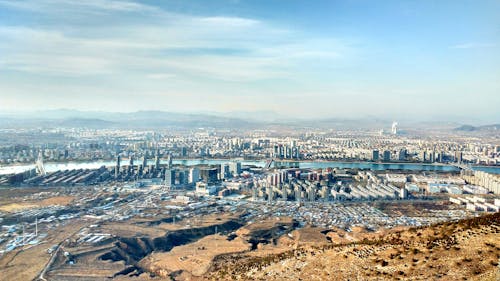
<point>463,167</point>
<point>269,163</point>
<point>40,168</point>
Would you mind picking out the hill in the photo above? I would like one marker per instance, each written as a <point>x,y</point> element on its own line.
<point>485,128</point>
<point>129,120</point>
<point>464,250</point>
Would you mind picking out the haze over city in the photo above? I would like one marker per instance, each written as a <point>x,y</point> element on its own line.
<point>392,59</point>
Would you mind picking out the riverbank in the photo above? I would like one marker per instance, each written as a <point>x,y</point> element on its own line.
<point>306,164</point>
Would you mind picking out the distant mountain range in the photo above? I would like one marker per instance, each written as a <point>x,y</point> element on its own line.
<point>139,119</point>
<point>244,120</point>
<point>470,128</point>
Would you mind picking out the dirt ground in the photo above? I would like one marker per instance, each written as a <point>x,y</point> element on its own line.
<point>28,262</point>
<point>194,258</point>
<point>58,200</point>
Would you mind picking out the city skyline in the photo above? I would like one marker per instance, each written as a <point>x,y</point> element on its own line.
<point>420,60</point>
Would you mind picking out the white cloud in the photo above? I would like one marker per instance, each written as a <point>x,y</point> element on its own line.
<point>224,48</point>
<point>174,59</point>
<point>58,5</point>
<point>229,21</point>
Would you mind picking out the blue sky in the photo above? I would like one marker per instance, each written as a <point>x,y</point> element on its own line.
<point>392,59</point>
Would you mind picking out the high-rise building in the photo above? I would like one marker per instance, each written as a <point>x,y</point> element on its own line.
<point>423,156</point>
<point>183,179</point>
<point>117,167</point>
<point>145,160</point>
<point>296,152</point>
<point>387,156</point>
<point>131,164</point>
<point>459,157</point>
<point>270,193</point>
<point>402,155</point>
<point>194,175</point>
<point>288,152</point>
<point>235,168</point>
<point>255,192</point>
<point>157,160</point>
<point>169,161</point>
<point>375,155</point>
<point>311,194</point>
<point>209,175</point>
<point>224,171</point>
<point>169,177</point>
<point>403,193</point>
<point>276,151</point>
<point>325,192</point>
<point>432,156</point>
<point>440,157</point>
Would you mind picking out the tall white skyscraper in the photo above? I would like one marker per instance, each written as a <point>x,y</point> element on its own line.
<point>194,175</point>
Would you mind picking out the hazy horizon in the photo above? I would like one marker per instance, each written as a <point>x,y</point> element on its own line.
<point>419,61</point>
<point>252,116</point>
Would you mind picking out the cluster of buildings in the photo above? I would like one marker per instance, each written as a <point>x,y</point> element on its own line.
<point>322,197</point>
<point>489,181</point>
<point>286,184</point>
<point>22,228</point>
<point>294,185</point>
<point>63,145</point>
<point>476,203</point>
<point>143,181</point>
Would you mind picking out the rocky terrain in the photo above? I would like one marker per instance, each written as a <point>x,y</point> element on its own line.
<point>225,246</point>
<point>463,250</point>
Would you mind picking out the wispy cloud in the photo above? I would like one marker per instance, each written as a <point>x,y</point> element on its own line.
<point>225,48</point>
<point>229,21</point>
<point>293,58</point>
<point>473,45</point>
<point>58,5</point>
<point>161,76</point>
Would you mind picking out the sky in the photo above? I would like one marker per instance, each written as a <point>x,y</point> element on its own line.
<point>305,59</point>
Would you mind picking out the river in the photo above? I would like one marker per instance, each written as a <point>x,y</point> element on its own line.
<point>51,167</point>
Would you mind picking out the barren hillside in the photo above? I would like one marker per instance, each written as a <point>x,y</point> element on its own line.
<point>464,250</point>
